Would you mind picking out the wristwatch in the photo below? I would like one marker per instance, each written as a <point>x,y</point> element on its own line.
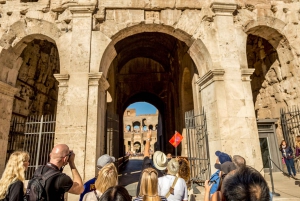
<point>148,139</point>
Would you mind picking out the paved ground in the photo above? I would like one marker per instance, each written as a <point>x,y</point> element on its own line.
<point>283,185</point>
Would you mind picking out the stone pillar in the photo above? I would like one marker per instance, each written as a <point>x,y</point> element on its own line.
<point>7,93</point>
<point>72,108</point>
<point>227,98</point>
<point>95,123</point>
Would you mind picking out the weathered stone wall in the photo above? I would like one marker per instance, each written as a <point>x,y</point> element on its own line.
<point>38,89</point>
<point>215,33</point>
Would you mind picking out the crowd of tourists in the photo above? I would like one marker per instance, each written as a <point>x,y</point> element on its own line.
<point>162,178</point>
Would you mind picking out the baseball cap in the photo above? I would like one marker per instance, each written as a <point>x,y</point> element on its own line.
<point>105,159</point>
<point>223,157</point>
<point>225,167</point>
<point>160,160</point>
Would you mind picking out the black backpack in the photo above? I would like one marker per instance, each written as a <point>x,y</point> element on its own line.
<point>36,186</point>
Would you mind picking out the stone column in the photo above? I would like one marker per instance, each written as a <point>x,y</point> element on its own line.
<point>7,93</point>
<point>95,123</point>
<point>227,98</point>
<point>72,108</point>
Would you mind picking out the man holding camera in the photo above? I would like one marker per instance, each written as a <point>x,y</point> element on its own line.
<point>56,182</point>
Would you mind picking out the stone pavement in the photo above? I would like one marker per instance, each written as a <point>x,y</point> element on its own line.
<point>283,185</point>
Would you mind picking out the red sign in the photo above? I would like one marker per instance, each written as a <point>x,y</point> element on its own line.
<point>176,139</point>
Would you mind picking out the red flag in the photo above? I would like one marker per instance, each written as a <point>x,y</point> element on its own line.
<point>176,139</point>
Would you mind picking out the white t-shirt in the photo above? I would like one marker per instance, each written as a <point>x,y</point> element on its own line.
<point>91,196</point>
<point>180,189</point>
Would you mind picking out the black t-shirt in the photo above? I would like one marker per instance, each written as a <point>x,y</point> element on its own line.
<point>57,185</point>
<point>15,192</point>
<point>147,163</point>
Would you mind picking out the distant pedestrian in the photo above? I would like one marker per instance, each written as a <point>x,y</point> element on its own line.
<point>13,177</point>
<point>107,177</point>
<point>169,156</point>
<point>287,154</point>
<point>297,151</point>
<point>115,193</point>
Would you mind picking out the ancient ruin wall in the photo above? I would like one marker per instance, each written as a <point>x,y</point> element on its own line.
<point>272,89</point>
<point>38,87</point>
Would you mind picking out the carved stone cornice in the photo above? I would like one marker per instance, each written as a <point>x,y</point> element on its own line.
<point>210,77</point>
<point>82,11</point>
<point>63,79</point>
<point>246,73</point>
<point>98,79</point>
<point>223,9</point>
<point>7,89</point>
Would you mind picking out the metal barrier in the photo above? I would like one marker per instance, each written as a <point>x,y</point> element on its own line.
<point>39,140</point>
<point>290,123</point>
<point>121,161</point>
<point>198,150</point>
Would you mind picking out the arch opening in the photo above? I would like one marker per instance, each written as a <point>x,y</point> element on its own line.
<point>33,74</point>
<point>155,68</point>
<point>148,115</point>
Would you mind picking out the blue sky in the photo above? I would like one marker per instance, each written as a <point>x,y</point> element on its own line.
<point>143,108</point>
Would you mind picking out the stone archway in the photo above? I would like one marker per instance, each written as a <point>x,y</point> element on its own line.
<point>34,90</point>
<point>275,81</point>
<point>152,63</point>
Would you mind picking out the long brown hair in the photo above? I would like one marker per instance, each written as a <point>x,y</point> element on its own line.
<point>149,185</point>
<point>280,146</point>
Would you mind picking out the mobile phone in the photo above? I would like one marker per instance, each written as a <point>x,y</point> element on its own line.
<point>211,182</point>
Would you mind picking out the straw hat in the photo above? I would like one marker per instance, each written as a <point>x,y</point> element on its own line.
<point>160,160</point>
<point>173,167</point>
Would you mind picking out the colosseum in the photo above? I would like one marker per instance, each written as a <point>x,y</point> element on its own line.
<point>86,61</point>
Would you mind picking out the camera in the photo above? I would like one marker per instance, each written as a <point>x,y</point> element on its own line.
<point>70,154</point>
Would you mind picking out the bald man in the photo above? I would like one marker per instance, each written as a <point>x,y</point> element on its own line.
<point>57,185</point>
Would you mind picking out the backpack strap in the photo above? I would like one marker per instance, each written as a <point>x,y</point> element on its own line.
<point>44,177</point>
<point>173,185</point>
<point>96,195</point>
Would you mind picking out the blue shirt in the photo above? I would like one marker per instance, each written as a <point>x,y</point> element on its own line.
<point>215,177</point>
<point>88,187</point>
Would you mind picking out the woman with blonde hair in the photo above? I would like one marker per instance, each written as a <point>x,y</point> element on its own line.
<point>107,177</point>
<point>11,182</point>
<point>149,186</point>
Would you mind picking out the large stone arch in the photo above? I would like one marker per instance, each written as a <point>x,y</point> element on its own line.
<point>280,87</point>
<point>272,30</point>
<point>15,40</point>
<point>197,49</point>
<point>20,35</point>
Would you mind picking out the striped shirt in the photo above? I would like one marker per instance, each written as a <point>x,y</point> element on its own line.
<point>140,198</point>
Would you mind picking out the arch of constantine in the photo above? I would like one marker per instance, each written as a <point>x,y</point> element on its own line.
<point>83,59</point>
